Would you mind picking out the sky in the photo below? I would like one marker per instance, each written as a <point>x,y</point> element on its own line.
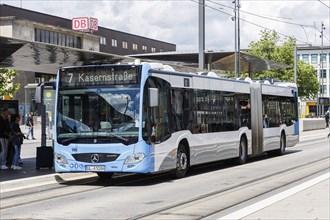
<point>176,21</point>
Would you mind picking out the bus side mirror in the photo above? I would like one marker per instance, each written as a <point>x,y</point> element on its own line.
<point>153,97</point>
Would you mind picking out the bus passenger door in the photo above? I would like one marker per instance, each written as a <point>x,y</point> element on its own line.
<point>157,118</point>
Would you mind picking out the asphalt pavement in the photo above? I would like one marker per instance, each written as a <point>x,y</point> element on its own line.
<point>311,201</point>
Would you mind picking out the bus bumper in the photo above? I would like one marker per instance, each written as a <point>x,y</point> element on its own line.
<point>144,166</point>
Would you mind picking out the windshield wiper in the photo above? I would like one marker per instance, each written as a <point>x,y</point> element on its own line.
<point>118,136</point>
<point>68,141</point>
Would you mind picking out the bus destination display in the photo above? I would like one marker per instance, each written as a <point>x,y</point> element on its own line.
<point>98,76</point>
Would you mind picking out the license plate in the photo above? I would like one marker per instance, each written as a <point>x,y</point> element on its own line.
<point>95,168</point>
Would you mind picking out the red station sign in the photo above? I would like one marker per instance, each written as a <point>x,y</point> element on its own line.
<point>85,24</point>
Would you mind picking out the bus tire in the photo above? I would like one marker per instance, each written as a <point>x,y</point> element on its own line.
<point>104,175</point>
<point>281,150</point>
<point>181,162</point>
<point>242,157</point>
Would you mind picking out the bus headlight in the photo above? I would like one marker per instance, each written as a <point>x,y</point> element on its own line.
<point>59,158</point>
<point>135,158</point>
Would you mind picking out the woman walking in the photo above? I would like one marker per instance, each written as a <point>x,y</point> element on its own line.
<point>30,124</point>
<point>17,141</point>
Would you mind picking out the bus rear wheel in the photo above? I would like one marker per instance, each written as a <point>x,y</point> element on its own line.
<point>241,159</point>
<point>181,162</point>
<point>104,175</point>
<point>281,150</point>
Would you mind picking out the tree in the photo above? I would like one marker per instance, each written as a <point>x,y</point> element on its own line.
<point>7,85</point>
<point>272,47</point>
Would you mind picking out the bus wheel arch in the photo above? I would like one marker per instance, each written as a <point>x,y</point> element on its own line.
<point>243,151</point>
<point>182,160</point>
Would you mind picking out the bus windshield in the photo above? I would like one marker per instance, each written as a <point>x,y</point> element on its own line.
<point>98,115</point>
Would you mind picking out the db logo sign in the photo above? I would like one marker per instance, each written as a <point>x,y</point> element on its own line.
<point>93,24</point>
<point>85,24</point>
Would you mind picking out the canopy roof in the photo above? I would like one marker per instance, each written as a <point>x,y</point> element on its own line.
<point>48,58</point>
<point>221,60</point>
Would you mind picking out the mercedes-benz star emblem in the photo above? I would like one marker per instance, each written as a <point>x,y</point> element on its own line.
<point>95,158</point>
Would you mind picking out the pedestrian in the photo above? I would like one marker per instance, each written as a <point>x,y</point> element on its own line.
<point>11,148</point>
<point>327,119</point>
<point>30,124</point>
<point>17,141</point>
<point>4,137</point>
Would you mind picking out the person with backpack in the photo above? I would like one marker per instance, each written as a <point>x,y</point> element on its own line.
<point>30,124</point>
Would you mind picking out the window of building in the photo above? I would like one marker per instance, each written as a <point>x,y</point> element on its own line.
<point>323,89</point>
<point>43,37</point>
<point>37,35</point>
<point>56,38</point>
<point>153,50</point>
<point>135,47</point>
<point>114,42</point>
<point>323,57</point>
<point>125,44</point>
<point>69,40</point>
<point>103,41</point>
<point>61,39</point>
<point>144,48</point>
<point>305,57</point>
<point>323,73</point>
<point>53,37</point>
<point>314,58</point>
<point>298,57</point>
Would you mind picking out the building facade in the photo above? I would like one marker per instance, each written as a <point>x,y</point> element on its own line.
<point>319,58</point>
<point>110,41</point>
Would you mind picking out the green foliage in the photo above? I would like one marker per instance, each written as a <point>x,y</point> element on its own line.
<point>307,80</point>
<point>272,47</point>
<point>7,86</point>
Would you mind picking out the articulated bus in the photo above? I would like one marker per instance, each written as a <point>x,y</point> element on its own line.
<point>147,118</point>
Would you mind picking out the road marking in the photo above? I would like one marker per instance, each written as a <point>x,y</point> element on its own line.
<point>273,199</point>
<point>19,184</point>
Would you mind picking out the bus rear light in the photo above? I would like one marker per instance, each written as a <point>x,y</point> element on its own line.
<point>135,158</point>
<point>59,158</point>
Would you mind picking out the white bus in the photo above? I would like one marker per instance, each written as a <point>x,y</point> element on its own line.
<point>147,118</point>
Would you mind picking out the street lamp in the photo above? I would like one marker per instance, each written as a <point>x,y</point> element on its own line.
<point>321,70</point>
<point>201,36</point>
<point>236,18</point>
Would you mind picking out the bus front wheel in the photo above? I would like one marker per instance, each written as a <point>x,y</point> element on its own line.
<point>181,162</point>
